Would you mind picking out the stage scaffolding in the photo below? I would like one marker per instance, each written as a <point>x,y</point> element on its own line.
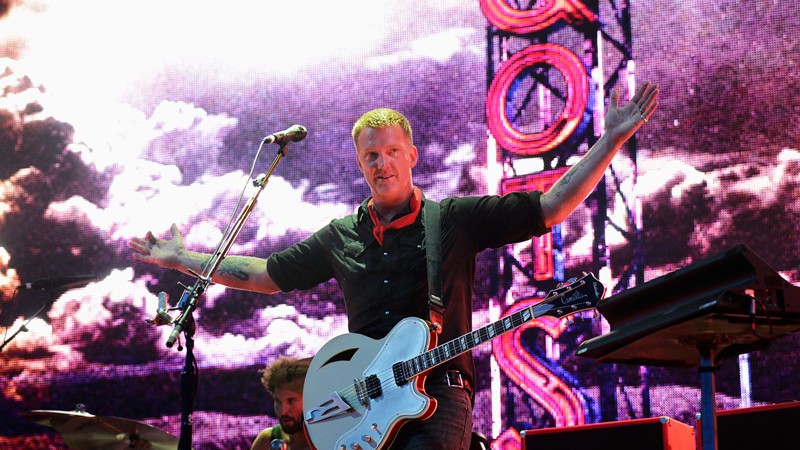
<point>550,70</point>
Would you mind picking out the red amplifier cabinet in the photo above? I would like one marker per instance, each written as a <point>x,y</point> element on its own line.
<point>768,427</point>
<point>638,434</point>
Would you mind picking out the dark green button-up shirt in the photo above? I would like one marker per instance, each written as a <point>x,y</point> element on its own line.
<point>382,284</point>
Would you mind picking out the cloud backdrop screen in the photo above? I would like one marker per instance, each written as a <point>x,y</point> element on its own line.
<point>121,117</point>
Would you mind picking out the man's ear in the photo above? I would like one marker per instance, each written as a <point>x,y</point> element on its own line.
<point>358,163</point>
<point>414,156</point>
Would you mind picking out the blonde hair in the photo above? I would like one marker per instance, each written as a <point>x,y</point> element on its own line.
<point>287,372</point>
<point>380,118</point>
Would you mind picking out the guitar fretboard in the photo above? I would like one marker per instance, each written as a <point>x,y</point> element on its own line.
<point>578,296</point>
<point>467,342</point>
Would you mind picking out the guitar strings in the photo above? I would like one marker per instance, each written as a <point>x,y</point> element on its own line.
<point>350,393</point>
<point>386,376</point>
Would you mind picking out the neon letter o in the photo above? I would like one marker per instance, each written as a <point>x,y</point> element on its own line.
<point>577,81</point>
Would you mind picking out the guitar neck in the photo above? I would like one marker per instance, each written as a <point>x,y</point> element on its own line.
<point>580,295</point>
<point>449,350</point>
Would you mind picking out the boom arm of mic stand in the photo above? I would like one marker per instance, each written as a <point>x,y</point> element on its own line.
<point>190,295</point>
<point>188,303</point>
<point>24,326</point>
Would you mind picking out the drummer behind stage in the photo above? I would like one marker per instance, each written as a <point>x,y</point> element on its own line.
<point>283,380</point>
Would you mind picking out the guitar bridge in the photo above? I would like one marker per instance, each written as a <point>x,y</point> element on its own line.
<point>361,392</point>
<point>330,407</point>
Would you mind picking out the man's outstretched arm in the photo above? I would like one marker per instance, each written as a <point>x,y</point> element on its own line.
<point>581,179</point>
<point>238,272</point>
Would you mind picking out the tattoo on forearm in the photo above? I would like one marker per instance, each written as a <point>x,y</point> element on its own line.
<point>234,269</point>
<point>567,178</point>
<point>563,182</point>
<point>233,273</point>
<point>231,268</point>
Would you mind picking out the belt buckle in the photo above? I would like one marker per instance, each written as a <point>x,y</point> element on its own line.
<point>454,379</point>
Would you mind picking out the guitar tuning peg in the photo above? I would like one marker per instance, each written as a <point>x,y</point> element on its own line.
<point>566,283</point>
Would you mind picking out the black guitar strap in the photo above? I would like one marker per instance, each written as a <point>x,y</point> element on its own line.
<point>433,255</point>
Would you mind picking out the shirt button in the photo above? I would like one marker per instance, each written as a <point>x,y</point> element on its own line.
<point>385,281</point>
<point>386,312</point>
<point>385,253</point>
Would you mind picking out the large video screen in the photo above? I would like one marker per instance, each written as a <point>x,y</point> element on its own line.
<point>119,118</point>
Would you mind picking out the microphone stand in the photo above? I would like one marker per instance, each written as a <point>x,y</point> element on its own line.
<point>188,303</point>
<point>24,326</point>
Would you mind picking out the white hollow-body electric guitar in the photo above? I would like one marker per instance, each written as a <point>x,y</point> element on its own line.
<point>359,391</point>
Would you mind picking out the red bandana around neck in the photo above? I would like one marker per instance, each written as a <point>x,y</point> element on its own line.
<point>408,219</point>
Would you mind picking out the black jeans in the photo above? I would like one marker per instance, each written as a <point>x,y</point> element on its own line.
<point>450,427</point>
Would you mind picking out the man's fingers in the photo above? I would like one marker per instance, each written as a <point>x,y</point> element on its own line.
<point>650,96</point>
<point>650,102</point>
<point>640,92</point>
<point>139,246</point>
<point>614,100</point>
<point>650,110</point>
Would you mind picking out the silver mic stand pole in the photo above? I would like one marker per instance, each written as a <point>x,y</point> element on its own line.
<point>188,302</point>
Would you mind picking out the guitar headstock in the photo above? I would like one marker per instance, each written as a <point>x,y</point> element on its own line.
<point>576,296</point>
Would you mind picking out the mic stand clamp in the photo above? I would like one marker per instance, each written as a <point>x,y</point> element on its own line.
<point>188,302</point>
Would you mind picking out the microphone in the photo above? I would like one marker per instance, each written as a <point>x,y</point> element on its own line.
<point>295,133</point>
<point>277,444</point>
<point>73,282</point>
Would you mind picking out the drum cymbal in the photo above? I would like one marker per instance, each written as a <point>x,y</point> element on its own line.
<point>51,418</point>
<point>83,431</point>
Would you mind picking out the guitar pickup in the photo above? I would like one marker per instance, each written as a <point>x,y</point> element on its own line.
<point>330,407</point>
<point>374,389</point>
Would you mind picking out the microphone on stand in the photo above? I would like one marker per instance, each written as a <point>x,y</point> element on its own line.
<point>73,282</point>
<point>295,133</point>
<point>277,444</point>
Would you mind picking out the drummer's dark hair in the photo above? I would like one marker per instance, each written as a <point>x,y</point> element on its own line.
<point>283,371</point>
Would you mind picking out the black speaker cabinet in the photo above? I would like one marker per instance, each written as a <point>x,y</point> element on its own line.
<point>768,427</point>
<point>655,433</point>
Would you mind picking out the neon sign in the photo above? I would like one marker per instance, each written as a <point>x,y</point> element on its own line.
<point>532,376</point>
<point>544,261</point>
<point>507,18</point>
<point>502,90</point>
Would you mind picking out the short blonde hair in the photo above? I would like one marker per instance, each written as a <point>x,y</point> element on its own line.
<point>382,117</point>
<point>286,372</point>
